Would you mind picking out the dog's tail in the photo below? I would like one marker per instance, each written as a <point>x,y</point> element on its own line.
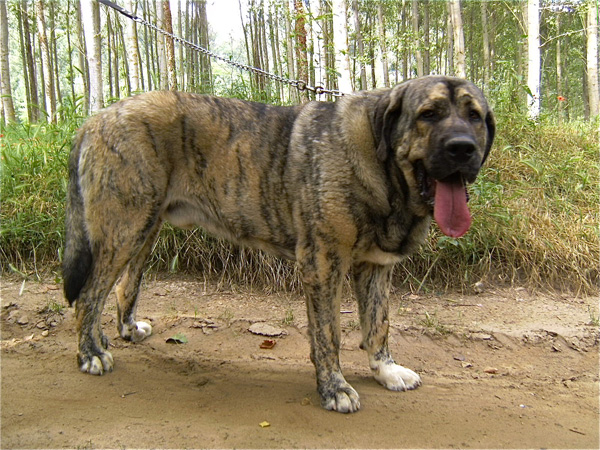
<point>77,258</point>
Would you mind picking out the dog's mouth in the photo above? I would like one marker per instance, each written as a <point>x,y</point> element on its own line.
<point>448,197</point>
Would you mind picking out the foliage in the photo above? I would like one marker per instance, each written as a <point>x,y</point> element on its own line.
<point>534,208</point>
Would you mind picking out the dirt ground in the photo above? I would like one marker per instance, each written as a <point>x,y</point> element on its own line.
<point>504,369</point>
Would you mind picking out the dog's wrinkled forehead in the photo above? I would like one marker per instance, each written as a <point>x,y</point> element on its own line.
<point>441,92</point>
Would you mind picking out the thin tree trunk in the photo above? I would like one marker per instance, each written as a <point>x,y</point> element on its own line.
<point>533,59</point>
<point>360,48</point>
<point>169,46</point>
<point>71,77</point>
<point>458,39</point>
<point>109,52</point>
<point>426,45</point>
<point>90,13</point>
<point>83,66</point>
<point>46,62</point>
<point>291,66</point>
<point>132,51</point>
<point>559,72</point>
<point>6,87</point>
<point>54,53</point>
<point>417,37</point>
<point>383,46</point>
<point>206,65</point>
<point>301,49</point>
<point>592,59</point>
<point>180,52</point>
<point>486,45</point>
<point>340,44</point>
<point>405,52</point>
<point>20,17</point>
<point>245,29</point>
<point>33,102</point>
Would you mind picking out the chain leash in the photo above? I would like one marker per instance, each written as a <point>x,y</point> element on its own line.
<point>298,84</point>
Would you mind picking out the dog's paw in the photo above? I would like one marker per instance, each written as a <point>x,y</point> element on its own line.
<point>96,364</point>
<point>141,331</point>
<point>136,332</point>
<point>395,377</point>
<point>344,399</point>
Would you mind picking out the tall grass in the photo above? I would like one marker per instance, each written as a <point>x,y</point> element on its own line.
<point>535,210</point>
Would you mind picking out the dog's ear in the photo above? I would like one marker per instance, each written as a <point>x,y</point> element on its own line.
<point>387,111</point>
<point>490,122</point>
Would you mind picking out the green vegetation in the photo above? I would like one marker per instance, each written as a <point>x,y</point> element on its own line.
<point>535,211</point>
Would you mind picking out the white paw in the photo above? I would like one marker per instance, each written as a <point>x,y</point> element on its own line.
<point>98,364</point>
<point>395,377</point>
<point>141,331</point>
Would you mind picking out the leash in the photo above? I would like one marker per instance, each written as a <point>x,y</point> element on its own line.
<point>298,84</point>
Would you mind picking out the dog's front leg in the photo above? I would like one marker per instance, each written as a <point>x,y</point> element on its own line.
<point>322,277</point>
<point>372,287</point>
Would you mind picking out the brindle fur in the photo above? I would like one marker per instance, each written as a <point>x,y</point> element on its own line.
<point>330,185</point>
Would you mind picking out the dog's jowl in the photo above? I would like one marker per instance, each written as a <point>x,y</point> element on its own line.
<point>340,187</point>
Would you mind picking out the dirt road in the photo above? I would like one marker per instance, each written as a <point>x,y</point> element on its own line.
<point>503,369</point>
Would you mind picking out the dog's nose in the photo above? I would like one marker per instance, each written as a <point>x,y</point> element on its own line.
<point>460,148</point>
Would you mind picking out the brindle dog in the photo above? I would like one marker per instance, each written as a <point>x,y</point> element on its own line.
<point>337,187</point>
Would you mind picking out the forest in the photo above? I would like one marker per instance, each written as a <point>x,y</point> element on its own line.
<point>526,55</point>
<point>536,61</point>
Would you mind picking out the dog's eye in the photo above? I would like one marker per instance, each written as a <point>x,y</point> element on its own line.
<point>474,116</point>
<point>428,114</point>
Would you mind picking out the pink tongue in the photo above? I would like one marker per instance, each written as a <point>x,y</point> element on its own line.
<point>450,210</point>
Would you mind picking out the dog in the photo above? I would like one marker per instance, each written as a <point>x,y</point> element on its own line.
<point>344,187</point>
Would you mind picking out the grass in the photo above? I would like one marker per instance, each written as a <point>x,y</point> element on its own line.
<point>535,217</point>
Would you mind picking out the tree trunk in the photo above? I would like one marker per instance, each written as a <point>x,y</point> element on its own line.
<point>426,45</point>
<point>360,48</point>
<point>340,44</point>
<point>417,37</point>
<point>46,62</point>
<point>169,46</point>
<point>206,67</point>
<point>21,15</point>
<point>6,88</point>
<point>592,59</point>
<point>54,53</point>
<point>383,46</point>
<point>83,66</point>
<point>109,54</point>
<point>132,51</point>
<point>161,45</point>
<point>301,49</point>
<point>458,39</point>
<point>90,14</point>
<point>559,73</point>
<point>533,59</point>
<point>486,45</point>
<point>294,95</point>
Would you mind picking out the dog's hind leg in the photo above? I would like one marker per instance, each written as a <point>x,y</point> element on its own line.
<point>93,356</point>
<point>127,290</point>
<point>372,286</point>
<point>115,245</point>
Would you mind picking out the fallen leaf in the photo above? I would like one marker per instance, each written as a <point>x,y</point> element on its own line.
<point>179,338</point>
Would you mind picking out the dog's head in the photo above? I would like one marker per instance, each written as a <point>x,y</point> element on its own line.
<point>438,131</point>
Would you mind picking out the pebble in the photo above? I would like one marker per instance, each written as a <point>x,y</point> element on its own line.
<point>23,320</point>
<point>491,370</point>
